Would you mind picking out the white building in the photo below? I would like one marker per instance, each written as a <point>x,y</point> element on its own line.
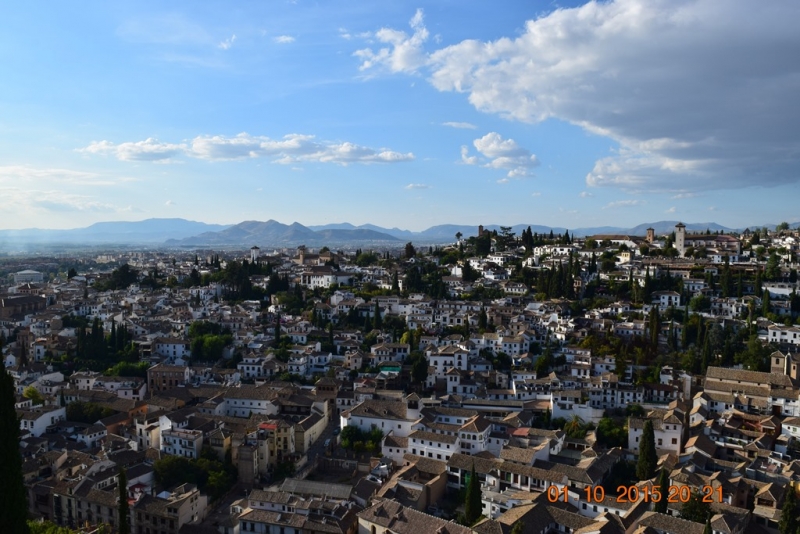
<point>667,429</point>
<point>28,276</point>
<point>35,422</point>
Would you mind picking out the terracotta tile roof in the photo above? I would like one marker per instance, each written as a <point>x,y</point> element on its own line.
<point>394,516</point>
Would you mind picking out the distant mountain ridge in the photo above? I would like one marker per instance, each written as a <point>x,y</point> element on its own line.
<point>152,231</point>
<point>185,233</point>
<point>273,233</point>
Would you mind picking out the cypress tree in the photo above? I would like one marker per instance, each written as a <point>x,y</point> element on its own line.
<point>277,331</point>
<point>648,459</point>
<point>788,521</point>
<point>124,519</point>
<point>378,319</point>
<point>472,503</point>
<point>112,338</point>
<point>14,508</point>
<point>758,288</point>
<point>663,485</point>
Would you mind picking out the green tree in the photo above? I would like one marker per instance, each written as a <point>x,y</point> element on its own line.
<point>788,521</point>
<point>124,518</point>
<point>663,485</point>
<point>518,528</point>
<point>648,459</point>
<point>472,502</point>
<point>48,527</point>
<point>574,425</point>
<point>610,434</point>
<point>378,320</point>
<point>14,508</point>
<point>33,394</point>
<point>419,369</point>
<point>696,510</point>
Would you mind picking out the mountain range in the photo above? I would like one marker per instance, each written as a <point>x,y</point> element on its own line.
<point>184,233</point>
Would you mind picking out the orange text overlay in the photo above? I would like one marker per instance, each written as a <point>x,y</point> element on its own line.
<point>626,494</point>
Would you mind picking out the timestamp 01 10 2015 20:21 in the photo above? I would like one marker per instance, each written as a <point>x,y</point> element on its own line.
<point>632,494</point>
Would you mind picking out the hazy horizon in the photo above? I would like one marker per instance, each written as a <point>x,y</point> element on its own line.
<point>400,115</point>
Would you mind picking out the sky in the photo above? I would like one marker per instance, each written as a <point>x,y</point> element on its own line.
<point>400,114</point>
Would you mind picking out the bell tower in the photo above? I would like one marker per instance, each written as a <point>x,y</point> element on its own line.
<point>680,238</point>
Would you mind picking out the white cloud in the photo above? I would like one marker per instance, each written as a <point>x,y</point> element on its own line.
<point>169,203</point>
<point>13,174</point>
<point>699,94</point>
<point>283,39</point>
<point>404,52</point>
<point>344,34</point>
<point>536,194</point>
<point>712,208</point>
<point>466,158</point>
<point>684,195</point>
<point>418,186</point>
<point>499,153</point>
<point>585,194</point>
<point>227,43</point>
<point>462,125</point>
<point>148,150</point>
<point>623,204</point>
<point>670,210</point>
<point>54,200</point>
<point>292,148</point>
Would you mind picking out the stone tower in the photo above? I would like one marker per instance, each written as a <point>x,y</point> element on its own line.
<point>254,254</point>
<point>680,238</point>
<point>651,235</point>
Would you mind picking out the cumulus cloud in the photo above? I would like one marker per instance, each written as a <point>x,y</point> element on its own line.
<point>670,210</point>
<point>623,204</point>
<point>585,194</point>
<point>169,203</point>
<point>699,94</point>
<point>418,186</point>
<point>291,148</point>
<point>283,39</point>
<point>499,153</point>
<point>227,43</point>
<point>148,150</point>
<point>462,125</point>
<point>403,53</point>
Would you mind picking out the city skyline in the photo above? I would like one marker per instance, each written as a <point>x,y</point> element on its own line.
<point>408,115</point>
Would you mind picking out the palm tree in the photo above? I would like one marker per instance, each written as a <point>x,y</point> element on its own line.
<point>574,425</point>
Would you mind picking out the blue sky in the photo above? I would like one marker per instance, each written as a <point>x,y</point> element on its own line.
<point>400,114</point>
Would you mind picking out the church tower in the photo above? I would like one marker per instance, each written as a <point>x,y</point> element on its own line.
<point>680,238</point>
